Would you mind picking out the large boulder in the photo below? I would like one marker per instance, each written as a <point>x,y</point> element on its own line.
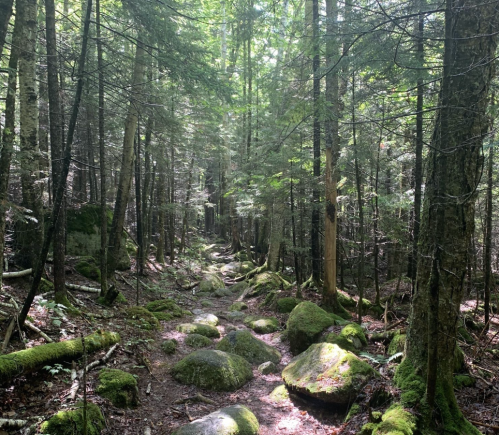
<point>327,372</point>
<point>233,420</point>
<point>262,324</point>
<point>210,283</point>
<point>70,422</point>
<point>236,268</point>
<point>213,370</point>
<point>245,344</point>
<point>305,325</point>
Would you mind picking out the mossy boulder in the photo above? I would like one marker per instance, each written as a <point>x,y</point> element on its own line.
<point>396,421</point>
<point>210,283</point>
<point>199,328</point>
<point>197,341</point>
<point>206,304</point>
<point>354,410</point>
<point>279,394</point>
<point>213,370</point>
<point>262,324</point>
<point>221,292</point>
<point>267,367</point>
<point>345,300</point>
<point>461,381</point>
<point>169,346</point>
<point>87,266</point>
<point>140,318</point>
<point>328,373</point>
<point>233,420</point>
<point>166,309</point>
<point>286,305</point>
<point>266,281</point>
<point>350,338</point>
<point>305,325</point>
<point>245,344</point>
<point>463,334</point>
<point>236,268</point>
<point>71,422</point>
<point>235,316</point>
<point>239,287</point>
<point>119,387</point>
<point>397,344</point>
<point>206,319</point>
<point>238,306</point>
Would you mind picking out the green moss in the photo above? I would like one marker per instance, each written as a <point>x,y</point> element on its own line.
<point>346,301</point>
<point>213,370</point>
<point>459,364</point>
<point>45,286</point>
<point>211,283</point>
<point>465,335</point>
<point>86,219</point>
<point>396,421</point>
<point>244,344</point>
<point>367,429</point>
<point>239,287</point>
<point>397,344</point>
<point>166,317</point>
<point>71,422</point>
<point>139,317</point>
<point>305,325</point>
<point>199,328</point>
<point>286,305</point>
<point>279,394</point>
<point>197,341</point>
<point>262,324</point>
<point>165,305</point>
<point>354,410</point>
<point>461,381</point>
<point>121,299</point>
<point>269,299</point>
<point>267,281</point>
<point>206,304</point>
<point>342,342</point>
<point>238,306</point>
<point>131,248</point>
<point>119,387</point>
<point>28,360</point>
<point>169,346</point>
<point>87,266</point>
<point>353,330</point>
<point>412,385</point>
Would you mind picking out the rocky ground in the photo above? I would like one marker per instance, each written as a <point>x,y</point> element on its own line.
<point>167,400</point>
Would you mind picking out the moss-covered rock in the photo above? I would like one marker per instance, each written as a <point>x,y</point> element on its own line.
<point>87,266</point>
<point>119,387</point>
<point>286,305</point>
<point>71,422</point>
<point>221,292</point>
<point>206,304</point>
<point>354,410</point>
<point>239,287</point>
<point>168,309</point>
<point>397,344</point>
<point>279,394</point>
<point>396,421</point>
<point>197,341</point>
<point>262,324</point>
<point>340,341</point>
<point>354,334</point>
<point>267,367</point>
<point>235,268</point>
<point>213,370</point>
<point>463,334</point>
<point>139,317</point>
<point>45,286</point>
<point>210,283</point>
<point>238,306</point>
<point>266,281</point>
<point>199,328</point>
<point>29,360</point>
<point>233,420</point>
<point>245,344</point>
<point>327,372</point>
<point>305,325</point>
<point>206,319</point>
<point>169,346</point>
<point>345,300</point>
<point>235,316</point>
<point>461,381</point>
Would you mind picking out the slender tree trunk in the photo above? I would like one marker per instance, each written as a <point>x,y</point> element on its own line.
<point>185,220</point>
<point>8,134</point>
<point>126,172</point>
<point>293,228</point>
<point>160,251</point>
<point>448,212</point>
<point>5,14</point>
<point>488,278</point>
<point>138,206</point>
<point>171,213</point>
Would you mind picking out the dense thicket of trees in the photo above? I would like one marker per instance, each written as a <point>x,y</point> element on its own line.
<point>295,131</point>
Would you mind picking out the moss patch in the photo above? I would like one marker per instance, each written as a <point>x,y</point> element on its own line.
<point>267,281</point>
<point>397,344</point>
<point>45,286</point>
<point>213,370</point>
<point>119,387</point>
<point>199,328</point>
<point>345,300</point>
<point>28,360</point>
<point>262,324</point>
<point>233,420</point>
<point>71,422</point>
<point>238,306</point>
<point>210,283</point>
<point>396,421</point>
<point>239,287</point>
<point>87,266</point>
<point>197,341</point>
<point>166,306</point>
<point>139,317</point>
<point>279,394</point>
<point>286,305</point>
<point>327,372</point>
<point>169,346</point>
<point>244,344</point>
<point>461,381</point>
<point>305,325</point>
<point>354,410</point>
<point>206,319</point>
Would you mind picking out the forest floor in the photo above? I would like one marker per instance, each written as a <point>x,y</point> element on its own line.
<point>43,393</point>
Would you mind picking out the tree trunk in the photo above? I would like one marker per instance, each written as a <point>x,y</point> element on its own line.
<point>160,251</point>
<point>448,212</point>
<point>8,134</point>
<point>5,14</point>
<point>488,278</point>
<point>138,206</point>
<point>126,172</point>
<point>185,220</point>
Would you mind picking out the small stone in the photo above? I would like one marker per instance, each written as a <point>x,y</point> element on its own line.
<point>206,319</point>
<point>238,306</point>
<point>198,328</point>
<point>262,324</point>
<point>169,346</point>
<point>267,368</point>
<point>197,311</point>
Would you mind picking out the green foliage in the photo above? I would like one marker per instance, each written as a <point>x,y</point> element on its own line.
<point>119,387</point>
<point>141,318</point>
<point>169,346</point>
<point>56,369</point>
<point>87,266</point>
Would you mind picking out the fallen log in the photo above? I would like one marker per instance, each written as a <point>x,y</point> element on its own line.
<point>82,288</point>
<point>29,360</point>
<point>6,423</point>
<point>25,272</point>
<point>34,328</point>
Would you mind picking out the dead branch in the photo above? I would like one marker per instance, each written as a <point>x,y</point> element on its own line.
<point>394,325</point>
<point>18,274</point>
<point>484,424</point>
<point>197,398</point>
<point>29,325</point>
<point>82,288</point>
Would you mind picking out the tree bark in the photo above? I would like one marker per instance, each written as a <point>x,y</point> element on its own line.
<point>488,278</point>
<point>126,172</point>
<point>5,14</point>
<point>455,164</point>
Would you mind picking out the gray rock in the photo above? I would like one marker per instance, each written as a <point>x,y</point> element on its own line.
<point>197,311</point>
<point>235,316</point>
<point>233,420</point>
<point>245,344</point>
<point>267,368</point>
<point>206,319</point>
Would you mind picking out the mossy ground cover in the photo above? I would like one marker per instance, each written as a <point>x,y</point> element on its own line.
<point>87,266</point>
<point>70,422</point>
<point>262,324</point>
<point>139,317</point>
